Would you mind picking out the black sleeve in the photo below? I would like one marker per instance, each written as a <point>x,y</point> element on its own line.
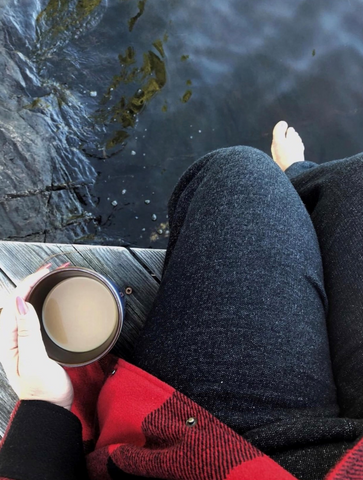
<point>42,441</point>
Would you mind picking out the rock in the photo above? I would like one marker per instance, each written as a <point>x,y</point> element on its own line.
<point>46,182</point>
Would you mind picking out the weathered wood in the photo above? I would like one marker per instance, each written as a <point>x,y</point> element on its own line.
<point>141,270</point>
<point>6,286</point>
<point>152,259</point>
<point>8,399</point>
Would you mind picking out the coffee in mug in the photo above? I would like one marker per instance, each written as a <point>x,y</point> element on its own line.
<point>79,314</point>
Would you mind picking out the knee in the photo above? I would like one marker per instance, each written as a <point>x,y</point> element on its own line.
<point>241,152</point>
<point>245,158</point>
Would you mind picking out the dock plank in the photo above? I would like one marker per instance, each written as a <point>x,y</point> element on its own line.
<point>152,259</point>
<point>141,270</point>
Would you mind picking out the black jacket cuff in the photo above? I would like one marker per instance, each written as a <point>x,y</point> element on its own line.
<point>42,440</point>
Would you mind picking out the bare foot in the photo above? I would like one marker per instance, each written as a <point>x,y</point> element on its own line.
<point>287,147</point>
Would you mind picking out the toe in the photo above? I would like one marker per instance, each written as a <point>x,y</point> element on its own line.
<point>292,134</point>
<point>279,131</point>
<point>295,141</point>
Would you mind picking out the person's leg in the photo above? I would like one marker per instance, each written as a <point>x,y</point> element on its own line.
<point>238,324</point>
<point>332,194</point>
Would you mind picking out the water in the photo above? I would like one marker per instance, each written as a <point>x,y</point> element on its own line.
<point>175,80</point>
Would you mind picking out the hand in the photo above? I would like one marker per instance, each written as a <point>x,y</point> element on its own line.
<point>31,373</point>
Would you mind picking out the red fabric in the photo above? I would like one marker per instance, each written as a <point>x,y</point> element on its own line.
<point>132,401</point>
<point>87,383</point>
<point>350,466</point>
<point>135,423</point>
<point>142,429</point>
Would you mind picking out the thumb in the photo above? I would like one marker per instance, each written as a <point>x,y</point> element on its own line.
<point>30,342</point>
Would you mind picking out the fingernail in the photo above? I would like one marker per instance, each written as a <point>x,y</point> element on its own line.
<point>64,265</point>
<point>21,306</point>
<point>44,266</point>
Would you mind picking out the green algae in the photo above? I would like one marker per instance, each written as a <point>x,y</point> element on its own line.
<point>58,7</point>
<point>86,7</point>
<point>59,11</point>
<point>133,20</point>
<point>86,238</point>
<point>186,96</point>
<point>128,58</point>
<point>57,22</point>
<point>36,103</point>
<point>159,47</point>
<point>151,78</point>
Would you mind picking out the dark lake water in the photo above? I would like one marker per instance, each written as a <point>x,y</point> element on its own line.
<point>145,88</point>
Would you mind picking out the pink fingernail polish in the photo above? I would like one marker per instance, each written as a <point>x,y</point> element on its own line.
<point>65,265</point>
<point>21,306</point>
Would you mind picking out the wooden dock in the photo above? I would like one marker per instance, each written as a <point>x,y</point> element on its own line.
<point>137,268</point>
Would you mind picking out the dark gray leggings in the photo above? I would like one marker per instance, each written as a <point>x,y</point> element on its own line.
<point>259,315</point>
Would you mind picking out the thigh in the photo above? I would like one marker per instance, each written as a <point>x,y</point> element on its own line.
<point>332,193</point>
<point>238,324</point>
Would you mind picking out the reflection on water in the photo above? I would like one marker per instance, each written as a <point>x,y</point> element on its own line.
<point>61,22</point>
<point>142,89</point>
